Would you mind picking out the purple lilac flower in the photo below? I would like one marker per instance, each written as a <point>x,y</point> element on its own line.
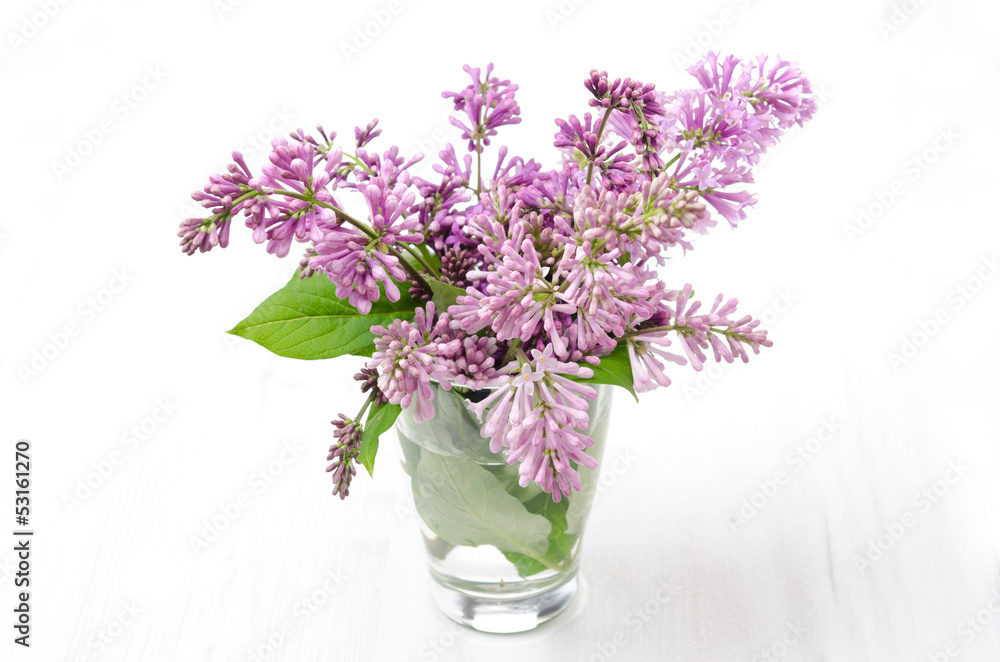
<point>364,136</point>
<point>536,416</point>
<point>644,353</point>
<point>724,128</point>
<point>456,263</point>
<point>409,355</point>
<point>605,295</point>
<point>305,271</point>
<point>438,211</point>
<point>607,93</point>
<point>488,103</point>
<point>641,225</point>
<point>515,171</point>
<point>553,191</point>
<point>225,196</point>
<point>731,204</point>
<point>784,89</point>
<point>303,170</point>
<point>518,298</point>
<point>199,234</point>
<point>343,453</point>
<point>328,150</point>
<point>390,165</point>
<point>369,382</point>
<point>473,364</point>
<point>662,219</point>
<point>642,103</point>
<point>778,90</point>
<point>358,262</point>
<point>737,334</point>
<point>578,140</point>
<point>627,94</point>
<point>727,337</point>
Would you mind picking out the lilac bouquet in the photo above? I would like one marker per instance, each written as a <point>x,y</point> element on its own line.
<point>515,286</point>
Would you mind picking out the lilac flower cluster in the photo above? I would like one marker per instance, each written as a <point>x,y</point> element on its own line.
<point>536,413</point>
<point>343,452</point>
<point>551,270</point>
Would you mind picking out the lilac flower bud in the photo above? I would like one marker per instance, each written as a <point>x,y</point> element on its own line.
<point>364,136</point>
<point>343,453</point>
<point>488,103</point>
<point>369,382</point>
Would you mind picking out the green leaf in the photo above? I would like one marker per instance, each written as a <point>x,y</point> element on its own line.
<point>614,369</point>
<point>560,543</point>
<point>444,295</point>
<point>526,566</point>
<point>465,504</point>
<point>306,320</point>
<point>509,478</point>
<point>380,419</point>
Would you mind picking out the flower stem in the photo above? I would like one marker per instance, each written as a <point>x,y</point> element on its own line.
<point>727,331</point>
<point>364,408</point>
<point>359,162</point>
<point>479,168</point>
<point>515,347</point>
<point>416,256</point>
<point>653,329</point>
<point>672,161</point>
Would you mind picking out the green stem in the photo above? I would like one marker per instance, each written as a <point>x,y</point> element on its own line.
<point>479,168</point>
<point>423,251</point>
<point>215,217</point>
<point>672,161</point>
<point>337,210</point>
<point>652,329</point>
<point>364,408</point>
<point>359,162</point>
<point>515,347</point>
<point>416,256</point>
<point>727,331</point>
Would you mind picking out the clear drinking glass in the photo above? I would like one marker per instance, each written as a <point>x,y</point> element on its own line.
<point>504,558</point>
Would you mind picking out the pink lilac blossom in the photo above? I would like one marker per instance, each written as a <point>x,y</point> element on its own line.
<point>605,294</point>
<point>727,337</point>
<point>537,415</point>
<point>439,209</point>
<point>293,167</point>
<point>472,365</point>
<point>225,196</point>
<point>488,103</point>
<point>518,298</point>
<point>359,262</point>
<point>645,352</point>
<point>578,139</point>
<point>515,171</point>
<point>779,87</point>
<point>408,355</point>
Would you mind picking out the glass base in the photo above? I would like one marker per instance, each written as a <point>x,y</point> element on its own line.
<point>490,611</point>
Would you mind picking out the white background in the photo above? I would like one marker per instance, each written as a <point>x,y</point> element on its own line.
<point>347,579</point>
